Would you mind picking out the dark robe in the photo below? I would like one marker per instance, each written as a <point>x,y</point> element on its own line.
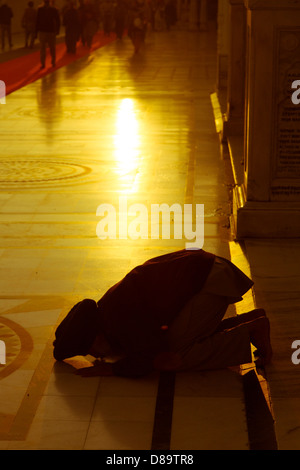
<point>133,312</point>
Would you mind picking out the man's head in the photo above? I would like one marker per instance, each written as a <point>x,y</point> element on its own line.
<point>78,330</point>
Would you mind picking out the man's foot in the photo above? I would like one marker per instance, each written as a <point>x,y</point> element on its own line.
<point>259,330</point>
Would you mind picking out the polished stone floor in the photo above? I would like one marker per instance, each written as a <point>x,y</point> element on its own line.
<point>108,126</point>
<point>275,270</point>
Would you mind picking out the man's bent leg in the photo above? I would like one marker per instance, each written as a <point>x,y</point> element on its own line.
<point>219,351</point>
<point>199,319</point>
<point>237,320</point>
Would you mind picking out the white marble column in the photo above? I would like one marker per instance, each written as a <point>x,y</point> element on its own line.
<point>223,43</point>
<point>235,112</point>
<point>267,203</point>
<point>193,15</point>
<point>203,16</point>
<point>179,8</point>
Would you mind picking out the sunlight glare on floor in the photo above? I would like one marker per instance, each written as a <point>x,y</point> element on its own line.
<point>127,138</point>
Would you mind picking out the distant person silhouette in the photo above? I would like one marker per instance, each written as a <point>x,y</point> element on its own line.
<point>6,15</point>
<point>137,24</point>
<point>29,24</point>
<point>167,314</point>
<point>81,13</point>
<point>71,22</point>
<point>90,22</point>
<point>120,16</point>
<point>47,27</point>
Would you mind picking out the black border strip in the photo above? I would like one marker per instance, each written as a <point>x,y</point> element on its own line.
<point>161,437</point>
<point>260,422</point>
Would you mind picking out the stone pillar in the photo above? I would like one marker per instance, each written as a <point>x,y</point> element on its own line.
<point>267,203</point>
<point>193,15</point>
<point>234,123</point>
<point>203,17</point>
<point>223,44</point>
<point>179,8</point>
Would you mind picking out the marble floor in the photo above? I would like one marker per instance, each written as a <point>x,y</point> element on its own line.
<point>109,127</point>
<point>276,272</point>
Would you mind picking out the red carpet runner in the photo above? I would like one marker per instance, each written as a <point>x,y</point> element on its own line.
<point>19,72</point>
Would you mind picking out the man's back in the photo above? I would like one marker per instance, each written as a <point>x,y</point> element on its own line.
<point>29,16</point>
<point>48,20</point>
<point>6,14</point>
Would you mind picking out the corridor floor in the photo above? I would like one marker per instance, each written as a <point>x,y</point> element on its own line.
<point>109,127</point>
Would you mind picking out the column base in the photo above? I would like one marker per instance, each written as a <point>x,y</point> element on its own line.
<point>258,219</point>
<point>252,219</point>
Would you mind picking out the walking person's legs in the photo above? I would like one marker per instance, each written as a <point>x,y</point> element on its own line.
<point>8,30</point>
<point>2,36</point>
<point>52,47</point>
<point>5,32</point>
<point>43,45</point>
<point>32,38</point>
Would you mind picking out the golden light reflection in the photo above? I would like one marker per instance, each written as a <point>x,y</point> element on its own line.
<point>127,139</point>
